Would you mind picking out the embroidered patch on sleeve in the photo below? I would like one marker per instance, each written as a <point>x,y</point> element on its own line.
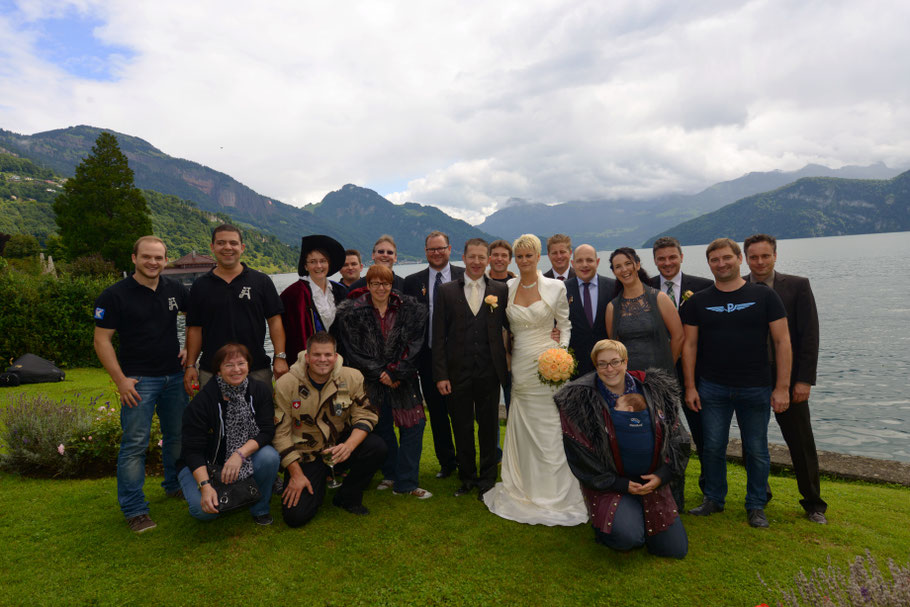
<point>99,313</point>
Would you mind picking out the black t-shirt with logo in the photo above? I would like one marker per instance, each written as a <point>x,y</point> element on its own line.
<point>733,333</point>
<point>233,312</point>
<point>146,322</point>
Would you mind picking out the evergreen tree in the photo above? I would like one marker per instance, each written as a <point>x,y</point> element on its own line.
<point>100,210</point>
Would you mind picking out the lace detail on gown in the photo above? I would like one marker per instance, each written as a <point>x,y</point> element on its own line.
<point>537,485</point>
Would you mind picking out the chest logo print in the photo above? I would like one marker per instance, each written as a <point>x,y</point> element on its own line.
<point>171,303</point>
<point>244,292</point>
<point>731,307</point>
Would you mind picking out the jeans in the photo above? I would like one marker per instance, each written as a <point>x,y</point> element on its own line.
<point>165,396</point>
<point>402,464</point>
<point>629,532</point>
<point>265,468</point>
<point>752,407</point>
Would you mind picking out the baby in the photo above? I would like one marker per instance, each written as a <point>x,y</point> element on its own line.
<point>631,402</point>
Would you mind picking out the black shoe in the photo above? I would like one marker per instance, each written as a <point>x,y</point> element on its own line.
<point>817,517</point>
<point>358,509</point>
<point>263,519</point>
<point>278,486</point>
<point>445,473</point>
<point>481,491</point>
<point>757,518</point>
<point>707,508</point>
<point>463,490</point>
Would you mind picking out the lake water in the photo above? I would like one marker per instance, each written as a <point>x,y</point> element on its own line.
<point>860,404</point>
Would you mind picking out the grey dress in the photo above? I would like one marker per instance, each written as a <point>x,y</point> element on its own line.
<point>637,323</point>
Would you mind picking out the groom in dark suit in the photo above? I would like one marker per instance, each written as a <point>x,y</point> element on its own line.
<point>424,285</point>
<point>469,363</point>
<point>588,294</point>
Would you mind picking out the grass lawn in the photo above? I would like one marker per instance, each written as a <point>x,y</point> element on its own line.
<point>65,542</point>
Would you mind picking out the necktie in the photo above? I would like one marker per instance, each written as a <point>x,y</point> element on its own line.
<point>586,302</point>
<point>561,277</point>
<point>669,284</point>
<point>475,298</point>
<point>436,285</point>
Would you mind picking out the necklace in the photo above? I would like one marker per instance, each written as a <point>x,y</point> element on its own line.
<point>528,286</point>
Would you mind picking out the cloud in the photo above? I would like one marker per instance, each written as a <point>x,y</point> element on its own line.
<point>471,105</point>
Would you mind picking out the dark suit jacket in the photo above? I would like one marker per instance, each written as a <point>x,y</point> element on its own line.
<point>689,283</point>
<point>583,335</point>
<point>802,320</point>
<point>418,286</point>
<point>550,274</point>
<point>449,320</point>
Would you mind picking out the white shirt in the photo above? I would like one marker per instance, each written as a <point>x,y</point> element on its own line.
<point>563,276</point>
<point>468,286</point>
<point>677,287</point>
<point>446,277</point>
<point>323,300</point>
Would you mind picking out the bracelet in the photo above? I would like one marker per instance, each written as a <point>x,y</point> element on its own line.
<point>243,458</point>
<point>204,483</point>
<point>189,366</point>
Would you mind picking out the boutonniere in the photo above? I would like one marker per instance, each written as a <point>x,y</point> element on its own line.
<point>571,299</point>
<point>423,290</point>
<point>687,295</point>
<point>492,301</point>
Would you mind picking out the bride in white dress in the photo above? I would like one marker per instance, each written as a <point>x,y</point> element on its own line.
<point>537,486</point>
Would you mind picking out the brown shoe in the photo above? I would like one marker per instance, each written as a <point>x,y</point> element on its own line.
<point>140,523</point>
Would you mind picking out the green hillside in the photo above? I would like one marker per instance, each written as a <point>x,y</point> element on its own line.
<point>27,192</point>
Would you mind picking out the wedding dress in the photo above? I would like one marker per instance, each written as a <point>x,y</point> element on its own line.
<point>537,486</point>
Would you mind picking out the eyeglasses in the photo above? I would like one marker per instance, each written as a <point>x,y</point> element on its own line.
<point>380,252</point>
<point>380,285</point>
<point>615,363</point>
<point>435,249</point>
<point>232,366</point>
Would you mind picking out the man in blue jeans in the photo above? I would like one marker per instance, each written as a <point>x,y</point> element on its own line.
<point>147,369</point>
<point>727,327</point>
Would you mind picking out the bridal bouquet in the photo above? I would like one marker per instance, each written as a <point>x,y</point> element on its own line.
<point>556,366</point>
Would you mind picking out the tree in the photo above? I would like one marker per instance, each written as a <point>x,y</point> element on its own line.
<point>21,246</point>
<point>100,210</point>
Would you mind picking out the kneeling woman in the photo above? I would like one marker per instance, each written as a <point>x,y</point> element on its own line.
<point>625,459</point>
<point>230,423</point>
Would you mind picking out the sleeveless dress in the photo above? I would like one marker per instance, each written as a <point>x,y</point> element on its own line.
<point>537,485</point>
<point>637,323</point>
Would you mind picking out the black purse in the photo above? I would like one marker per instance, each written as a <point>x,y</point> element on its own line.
<point>238,494</point>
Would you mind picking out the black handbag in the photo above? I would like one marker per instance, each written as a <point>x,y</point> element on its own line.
<point>238,494</point>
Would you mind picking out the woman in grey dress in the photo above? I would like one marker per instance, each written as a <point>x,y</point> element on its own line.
<point>642,318</point>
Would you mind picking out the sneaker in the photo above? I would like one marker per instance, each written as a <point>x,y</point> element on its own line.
<point>384,484</point>
<point>421,494</point>
<point>140,523</point>
<point>178,494</point>
<point>817,517</point>
<point>263,519</point>
<point>757,518</point>
<point>707,508</point>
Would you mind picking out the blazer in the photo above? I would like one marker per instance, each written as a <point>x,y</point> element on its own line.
<point>550,274</point>
<point>585,336</point>
<point>418,286</point>
<point>689,283</point>
<point>802,321</point>
<point>449,320</point>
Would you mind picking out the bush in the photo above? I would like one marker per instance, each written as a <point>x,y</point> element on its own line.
<point>65,439</point>
<point>91,265</point>
<point>865,585</point>
<point>49,316</point>
<point>21,246</point>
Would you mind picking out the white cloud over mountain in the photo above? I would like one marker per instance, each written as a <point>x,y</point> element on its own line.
<point>464,105</point>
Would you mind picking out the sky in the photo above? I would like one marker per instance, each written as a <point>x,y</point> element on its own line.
<point>465,105</point>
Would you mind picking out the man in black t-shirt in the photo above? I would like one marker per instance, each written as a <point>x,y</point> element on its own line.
<point>727,329</point>
<point>232,303</point>
<point>143,309</point>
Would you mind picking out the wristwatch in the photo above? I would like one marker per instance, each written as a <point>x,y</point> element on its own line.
<point>204,483</point>
<point>189,366</point>
<point>281,355</point>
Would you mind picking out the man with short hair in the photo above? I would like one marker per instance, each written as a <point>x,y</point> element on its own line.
<point>232,303</point>
<point>322,410</point>
<point>353,266</point>
<point>385,252</point>
<point>727,328</point>
<point>424,286</point>
<point>588,294</point>
<point>802,322</point>
<point>500,258</point>
<point>147,370</point>
<point>469,363</point>
<point>679,286</point>
<point>559,250</point>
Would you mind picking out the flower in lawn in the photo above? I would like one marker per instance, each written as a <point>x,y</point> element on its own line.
<point>102,408</point>
<point>160,442</point>
<point>90,437</point>
<point>555,366</point>
<point>61,449</point>
<point>492,301</point>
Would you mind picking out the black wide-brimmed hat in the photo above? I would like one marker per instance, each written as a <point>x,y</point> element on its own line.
<point>331,247</point>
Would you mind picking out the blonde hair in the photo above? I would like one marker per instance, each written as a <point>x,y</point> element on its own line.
<point>527,241</point>
<point>609,344</point>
